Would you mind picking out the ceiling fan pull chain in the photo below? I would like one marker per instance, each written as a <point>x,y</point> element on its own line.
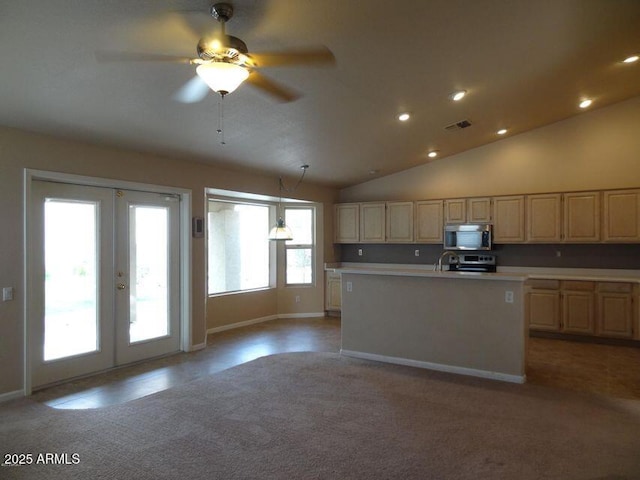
<point>220,129</point>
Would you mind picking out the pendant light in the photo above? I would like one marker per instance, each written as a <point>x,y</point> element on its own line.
<point>280,231</point>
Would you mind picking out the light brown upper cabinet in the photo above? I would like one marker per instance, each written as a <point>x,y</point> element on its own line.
<point>372,222</point>
<point>581,217</point>
<point>479,210</point>
<point>429,224</point>
<point>508,219</point>
<point>621,222</point>
<point>544,218</point>
<point>455,210</point>
<point>467,210</point>
<point>347,223</point>
<point>399,222</point>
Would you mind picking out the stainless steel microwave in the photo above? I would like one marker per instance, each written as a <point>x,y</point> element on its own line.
<point>467,236</point>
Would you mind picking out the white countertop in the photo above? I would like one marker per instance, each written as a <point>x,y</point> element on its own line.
<point>503,273</point>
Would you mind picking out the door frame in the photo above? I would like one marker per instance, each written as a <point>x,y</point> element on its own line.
<point>185,247</point>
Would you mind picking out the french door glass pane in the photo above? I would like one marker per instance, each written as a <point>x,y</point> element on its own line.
<point>149,273</point>
<point>70,307</point>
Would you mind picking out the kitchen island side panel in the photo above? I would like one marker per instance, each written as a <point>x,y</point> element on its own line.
<point>463,323</point>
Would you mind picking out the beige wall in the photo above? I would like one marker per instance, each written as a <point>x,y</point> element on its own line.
<point>20,150</point>
<point>599,149</point>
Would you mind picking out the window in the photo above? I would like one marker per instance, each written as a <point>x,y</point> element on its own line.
<point>299,252</point>
<point>238,246</point>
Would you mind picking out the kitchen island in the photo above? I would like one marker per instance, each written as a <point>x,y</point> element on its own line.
<point>460,322</point>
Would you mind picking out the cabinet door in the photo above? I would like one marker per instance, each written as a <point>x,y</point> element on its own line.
<point>543,310</point>
<point>578,312</point>
<point>399,222</point>
<point>372,222</point>
<point>544,218</point>
<point>615,314</point>
<point>429,225</point>
<point>479,210</point>
<point>621,216</point>
<point>333,292</point>
<point>581,217</point>
<point>455,210</point>
<point>347,223</point>
<point>508,219</point>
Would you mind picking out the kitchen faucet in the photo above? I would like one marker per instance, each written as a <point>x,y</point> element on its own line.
<point>446,253</point>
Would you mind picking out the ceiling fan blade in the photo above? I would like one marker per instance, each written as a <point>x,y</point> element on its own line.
<point>306,56</point>
<point>199,23</point>
<point>274,89</point>
<point>140,57</point>
<point>192,92</point>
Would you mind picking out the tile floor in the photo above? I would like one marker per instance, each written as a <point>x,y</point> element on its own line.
<point>605,369</point>
<point>224,350</point>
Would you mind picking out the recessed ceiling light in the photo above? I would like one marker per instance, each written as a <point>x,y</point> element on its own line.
<point>459,95</point>
<point>631,59</point>
<point>403,117</point>
<point>432,154</point>
<point>585,103</point>
<point>502,131</point>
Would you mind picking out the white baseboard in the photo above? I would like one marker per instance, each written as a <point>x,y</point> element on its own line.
<point>199,346</point>
<point>505,377</point>
<point>301,315</point>
<point>5,397</point>
<point>253,321</point>
<point>231,326</point>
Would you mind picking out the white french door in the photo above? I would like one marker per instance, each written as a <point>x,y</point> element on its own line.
<point>104,279</point>
<point>147,275</point>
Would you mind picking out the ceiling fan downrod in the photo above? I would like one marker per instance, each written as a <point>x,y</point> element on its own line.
<point>222,12</point>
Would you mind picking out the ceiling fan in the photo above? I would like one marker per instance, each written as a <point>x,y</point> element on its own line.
<point>224,63</point>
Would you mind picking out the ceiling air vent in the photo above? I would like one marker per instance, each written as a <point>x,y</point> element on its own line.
<point>458,125</point>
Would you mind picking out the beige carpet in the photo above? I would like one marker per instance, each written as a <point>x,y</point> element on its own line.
<point>322,416</point>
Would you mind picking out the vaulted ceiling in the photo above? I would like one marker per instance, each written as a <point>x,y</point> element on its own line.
<point>523,64</point>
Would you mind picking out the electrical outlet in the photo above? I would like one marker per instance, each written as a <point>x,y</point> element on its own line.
<point>349,287</point>
<point>508,296</point>
<point>416,253</point>
<point>297,298</point>
<point>7,294</point>
<point>359,252</point>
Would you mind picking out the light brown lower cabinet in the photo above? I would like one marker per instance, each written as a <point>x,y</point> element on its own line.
<point>333,292</point>
<point>603,309</point>
<point>543,305</point>
<point>578,307</point>
<point>615,310</point>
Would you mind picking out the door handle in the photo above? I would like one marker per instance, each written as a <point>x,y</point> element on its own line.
<point>121,286</point>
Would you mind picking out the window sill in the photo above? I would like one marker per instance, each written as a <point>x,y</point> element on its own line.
<point>240,292</point>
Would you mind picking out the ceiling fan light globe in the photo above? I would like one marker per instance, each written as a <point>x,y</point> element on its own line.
<point>222,77</point>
